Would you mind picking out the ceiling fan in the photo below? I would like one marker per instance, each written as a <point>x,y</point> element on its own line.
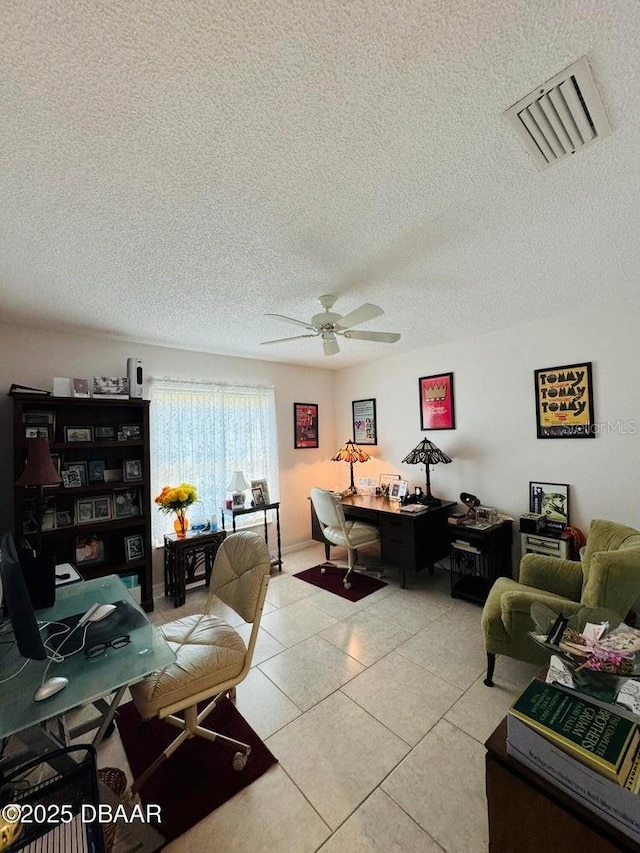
<point>328,325</point>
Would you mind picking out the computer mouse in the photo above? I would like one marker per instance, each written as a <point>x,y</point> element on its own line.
<point>50,688</point>
<point>102,612</point>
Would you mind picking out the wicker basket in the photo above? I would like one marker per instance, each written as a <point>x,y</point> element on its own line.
<point>114,779</point>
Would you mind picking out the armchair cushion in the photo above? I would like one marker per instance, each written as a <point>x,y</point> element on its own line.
<point>614,580</point>
<point>559,577</point>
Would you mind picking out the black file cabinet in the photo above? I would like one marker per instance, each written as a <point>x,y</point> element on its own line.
<point>478,557</point>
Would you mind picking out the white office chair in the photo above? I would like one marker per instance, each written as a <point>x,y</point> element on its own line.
<point>338,531</point>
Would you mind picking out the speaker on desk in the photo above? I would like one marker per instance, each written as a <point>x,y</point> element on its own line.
<point>134,372</point>
<point>40,578</point>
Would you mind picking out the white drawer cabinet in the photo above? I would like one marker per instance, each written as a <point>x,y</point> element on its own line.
<point>534,543</point>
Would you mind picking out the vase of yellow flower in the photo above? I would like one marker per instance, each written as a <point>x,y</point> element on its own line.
<point>177,499</point>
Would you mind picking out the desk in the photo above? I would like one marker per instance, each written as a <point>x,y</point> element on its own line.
<point>530,814</point>
<point>234,513</point>
<point>89,681</point>
<point>184,555</point>
<point>408,541</point>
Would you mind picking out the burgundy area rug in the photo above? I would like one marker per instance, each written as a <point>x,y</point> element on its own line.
<point>199,776</point>
<point>331,580</point>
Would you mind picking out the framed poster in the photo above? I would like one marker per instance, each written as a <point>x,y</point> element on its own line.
<point>564,401</point>
<point>437,405</point>
<point>364,421</point>
<point>305,425</point>
<point>552,501</point>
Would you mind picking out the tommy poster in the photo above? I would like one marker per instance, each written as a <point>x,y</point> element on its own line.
<point>564,401</point>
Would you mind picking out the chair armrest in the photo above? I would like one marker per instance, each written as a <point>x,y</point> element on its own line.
<point>613,581</point>
<point>559,577</point>
<point>516,607</point>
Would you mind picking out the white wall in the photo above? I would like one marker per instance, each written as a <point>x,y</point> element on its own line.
<point>494,448</point>
<point>33,357</point>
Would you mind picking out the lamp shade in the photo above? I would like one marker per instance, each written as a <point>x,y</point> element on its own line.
<point>238,482</point>
<point>39,469</point>
<point>350,452</point>
<point>426,453</point>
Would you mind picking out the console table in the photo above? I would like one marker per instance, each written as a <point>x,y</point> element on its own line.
<point>478,558</point>
<point>183,558</point>
<point>529,814</point>
<point>235,512</point>
<point>412,542</point>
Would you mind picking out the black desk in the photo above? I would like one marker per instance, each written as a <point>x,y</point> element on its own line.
<point>408,541</point>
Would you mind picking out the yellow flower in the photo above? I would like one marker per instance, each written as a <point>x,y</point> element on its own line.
<point>175,498</point>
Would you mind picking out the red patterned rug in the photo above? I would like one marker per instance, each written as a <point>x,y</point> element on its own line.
<point>199,776</point>
<point>361,585</point>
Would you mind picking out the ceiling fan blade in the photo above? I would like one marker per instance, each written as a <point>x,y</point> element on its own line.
<point>330,346</point>
<point>290,320</point>
<point>382,337</point>
<point>282,340</point>
<point>360,315</point>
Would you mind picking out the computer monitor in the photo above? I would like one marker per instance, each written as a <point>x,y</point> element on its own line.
<point>18,603</point>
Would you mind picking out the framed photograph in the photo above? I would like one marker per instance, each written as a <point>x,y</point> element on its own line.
<point>129,432</point>
<point>84,511</point>
<point>37,432</point>
<point>237,501</point>
<point>89,550</point>
<point>104,432</point>
<point>111,387</point>
<point>126,503</point>
<point>305,425</point>
<point>437,405</point>
<point>49,519</point>
<point>80,468</point>
<point>80,387</point>
<point>262,484</point>
<point>64,519</point>
<point>74,434</point>
<point>133,548</point>
<point>96,470</point>
<point>552,501</point>
<point>132,469</point>
<point>364,421</point>
<point>70,479</point>
<point>386,481</point>
<point>398,490</point>
<point>102,508</point>
<point>258,496</point>
<point>113,475</point>
<point>564,401</point>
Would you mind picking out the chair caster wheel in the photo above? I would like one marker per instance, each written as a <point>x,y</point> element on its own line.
<point>323,571</point>
<point>239,761</point>
<point>347,585</point>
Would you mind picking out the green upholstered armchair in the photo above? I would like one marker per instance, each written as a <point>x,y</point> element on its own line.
<point>608,577</point>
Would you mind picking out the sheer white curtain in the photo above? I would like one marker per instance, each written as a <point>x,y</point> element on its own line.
<point>201,433</point>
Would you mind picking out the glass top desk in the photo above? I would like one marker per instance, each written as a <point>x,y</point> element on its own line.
<point>89,680</point>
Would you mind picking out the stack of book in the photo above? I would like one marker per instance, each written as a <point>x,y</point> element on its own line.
<point>589,748</point>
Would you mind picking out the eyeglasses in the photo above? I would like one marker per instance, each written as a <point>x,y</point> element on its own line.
<point>101,648</point>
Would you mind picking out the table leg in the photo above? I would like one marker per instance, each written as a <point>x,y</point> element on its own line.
<point>278,539</point>
<point>179,585</point>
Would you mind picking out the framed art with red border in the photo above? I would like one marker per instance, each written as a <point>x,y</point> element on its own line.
<point>437,405</point>
<point>305,425</point>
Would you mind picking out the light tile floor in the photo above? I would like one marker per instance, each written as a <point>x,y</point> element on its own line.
<point>376,712</point>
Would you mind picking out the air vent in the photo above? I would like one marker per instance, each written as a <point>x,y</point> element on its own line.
<point>562,116</point>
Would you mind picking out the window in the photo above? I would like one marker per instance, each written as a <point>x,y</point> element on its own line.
<point>202,433</point>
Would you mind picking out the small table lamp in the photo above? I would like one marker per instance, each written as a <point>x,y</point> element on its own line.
<point>238,486</point>
<point>39,471</point>
<point>350,452</point>
<point>427,454</point>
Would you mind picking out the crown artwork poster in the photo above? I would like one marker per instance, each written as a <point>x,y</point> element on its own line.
<point>437,405</point>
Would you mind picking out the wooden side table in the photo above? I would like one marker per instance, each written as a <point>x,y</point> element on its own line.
<point>478,558</point>
<point>189,559</point>
<point>234,513</point>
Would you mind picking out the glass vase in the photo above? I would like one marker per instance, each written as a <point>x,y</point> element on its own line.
<point>181,523</point>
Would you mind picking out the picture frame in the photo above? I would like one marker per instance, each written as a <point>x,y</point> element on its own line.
<point>126,503</point>
<point>41,421</point>
<point>552,501</point>
<point>262,484</point>
<point>95,470</point>
<point>83,511</point>
<point>104,432</point>
<point>437,402</point>
<point>237,500</point>
<point>129,432</point>
<point>564,401</point>
<point>75,435</point>
<point>305,426</point>
<point>363,414</point>
<point>90,549</point>
<point>102,509</point>
<point>33,431</point>
<point>111,387</point>
<point>398,490</point>
<point>386,480</point>
<point>64,518</point>
<point>70,479</point>
<point>80,387</point>
<point>131,470</point>
<point>81,469</point>
<point>133,548</point>
<point>49,519</point>
<point>258,496</point>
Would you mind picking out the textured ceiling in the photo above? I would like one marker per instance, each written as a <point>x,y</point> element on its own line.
<point>171,171</point>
